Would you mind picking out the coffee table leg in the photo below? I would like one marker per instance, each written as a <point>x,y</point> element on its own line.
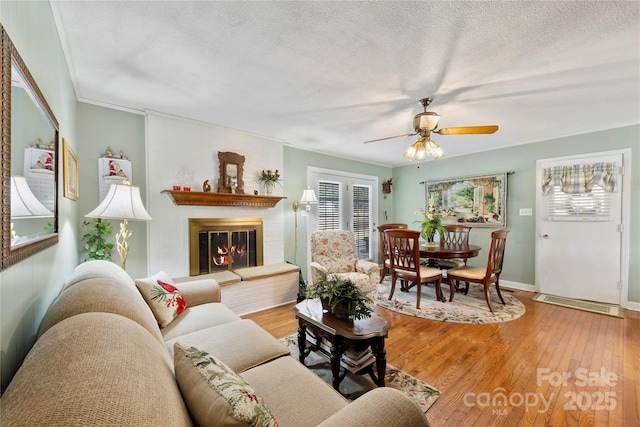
<point>381,360</point>
<point>336,355</point>
<point>302,342</point>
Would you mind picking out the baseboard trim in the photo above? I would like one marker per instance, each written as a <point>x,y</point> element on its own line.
<point>517,285</point>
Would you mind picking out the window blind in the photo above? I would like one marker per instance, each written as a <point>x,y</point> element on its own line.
<point>362,219</point>
<point>330,208</point>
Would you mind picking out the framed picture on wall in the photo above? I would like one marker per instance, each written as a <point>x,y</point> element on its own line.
<point>70,166</point>
<point>478,201</point>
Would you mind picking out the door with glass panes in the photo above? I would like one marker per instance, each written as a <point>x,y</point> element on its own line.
<point>346,203</point>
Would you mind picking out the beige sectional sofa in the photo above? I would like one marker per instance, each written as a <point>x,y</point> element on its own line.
<point>101,360</point>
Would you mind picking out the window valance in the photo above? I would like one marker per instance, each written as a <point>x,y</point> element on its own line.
<point>579,179</point>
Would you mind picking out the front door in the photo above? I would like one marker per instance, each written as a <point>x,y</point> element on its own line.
<point>578,227</point>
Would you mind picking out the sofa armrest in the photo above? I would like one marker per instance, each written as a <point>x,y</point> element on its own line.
<point>381,406</point>
<point>196,292</point>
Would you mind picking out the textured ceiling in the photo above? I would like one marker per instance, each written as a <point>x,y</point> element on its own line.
<point>326,76</point>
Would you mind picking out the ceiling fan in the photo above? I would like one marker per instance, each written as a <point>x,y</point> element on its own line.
<point>424,124</point>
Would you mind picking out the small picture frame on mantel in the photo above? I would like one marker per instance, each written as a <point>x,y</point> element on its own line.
<point>231,170</point>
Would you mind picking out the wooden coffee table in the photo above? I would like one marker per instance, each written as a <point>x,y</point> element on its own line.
<point>342,334</point>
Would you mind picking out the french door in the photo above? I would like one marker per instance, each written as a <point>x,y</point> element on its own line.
<point>345,202</point>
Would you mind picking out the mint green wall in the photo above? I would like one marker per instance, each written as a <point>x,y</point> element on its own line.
<point>99,128</point>
<point>295,181</point>
<point>520,258</point>
<point>28,288</point>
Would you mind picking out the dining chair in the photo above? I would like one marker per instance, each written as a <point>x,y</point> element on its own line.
<point>384,252</point>
<point>483,275</point>
<point>456,234</point>
<point>404,256</point>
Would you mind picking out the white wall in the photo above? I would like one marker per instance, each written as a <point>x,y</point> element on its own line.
<point>179,144</point>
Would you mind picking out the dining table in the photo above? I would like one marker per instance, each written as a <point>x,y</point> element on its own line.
<point>447,251</point>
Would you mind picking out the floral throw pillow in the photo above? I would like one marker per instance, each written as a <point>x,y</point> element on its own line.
<point>163,297</point>
<point>214,394</point>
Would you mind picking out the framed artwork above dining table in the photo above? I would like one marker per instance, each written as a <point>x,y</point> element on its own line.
<point>478,201</point>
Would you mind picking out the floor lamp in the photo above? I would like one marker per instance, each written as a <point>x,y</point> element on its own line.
<point>122,202</point>
<point>308,197</point>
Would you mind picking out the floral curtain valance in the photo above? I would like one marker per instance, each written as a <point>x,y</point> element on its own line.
<point>576,179</point>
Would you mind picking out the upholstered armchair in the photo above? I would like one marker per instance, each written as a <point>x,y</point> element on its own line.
<point>334,252</point>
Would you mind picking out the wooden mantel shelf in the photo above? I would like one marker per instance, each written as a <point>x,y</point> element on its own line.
<point>199,198</point>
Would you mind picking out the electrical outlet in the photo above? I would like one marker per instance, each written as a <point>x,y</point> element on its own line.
<point>526,211</point>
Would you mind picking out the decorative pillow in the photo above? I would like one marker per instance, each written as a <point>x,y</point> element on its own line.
<point>163,297</point>
<point>214,394</point>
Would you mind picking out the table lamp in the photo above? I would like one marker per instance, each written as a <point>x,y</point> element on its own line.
<point>24,204</point>
<point>122,202</point>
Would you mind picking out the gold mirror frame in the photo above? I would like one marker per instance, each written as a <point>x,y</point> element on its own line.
<point>14,254</point>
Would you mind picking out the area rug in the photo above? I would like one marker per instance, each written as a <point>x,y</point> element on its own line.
<point>470,308</point>
<point>354,386</point>
<point>591,306</point>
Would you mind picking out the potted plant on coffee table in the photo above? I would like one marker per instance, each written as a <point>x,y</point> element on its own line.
<point>341,297</point>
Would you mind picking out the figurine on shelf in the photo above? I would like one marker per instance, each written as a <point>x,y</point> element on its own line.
<point>48,161</point>
<point>121,155</point>
<point>38,144</point>
<point>52,145</point>
<point>206,187</point>
<point>108,153</point>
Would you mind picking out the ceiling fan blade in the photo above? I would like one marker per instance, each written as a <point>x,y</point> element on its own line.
<point>390,137</point>
<point>469,130</point>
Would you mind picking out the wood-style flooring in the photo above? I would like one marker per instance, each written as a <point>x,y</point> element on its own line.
<point>554,366</point>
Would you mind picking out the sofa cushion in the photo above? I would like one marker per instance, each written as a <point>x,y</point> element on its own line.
<point>285,380</point>
<point>95,369</point>
<point>99,269</point>
<point>200,317</point>
<point>163,297</point>
<point>101,295</point>
<point>255,347</point>
<point>214,394</point>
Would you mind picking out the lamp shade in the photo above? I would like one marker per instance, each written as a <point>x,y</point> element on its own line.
<point>121,202</point>
<point>308,196</point>
<point>24,203</point>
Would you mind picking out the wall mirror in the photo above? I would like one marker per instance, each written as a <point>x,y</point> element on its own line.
<point>29,165</point>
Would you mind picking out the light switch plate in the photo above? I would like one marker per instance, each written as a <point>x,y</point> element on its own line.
<point>526,211</point>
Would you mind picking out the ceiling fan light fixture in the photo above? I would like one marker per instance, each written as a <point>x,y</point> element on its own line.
<point>422,148</point>
<point>426,121</point>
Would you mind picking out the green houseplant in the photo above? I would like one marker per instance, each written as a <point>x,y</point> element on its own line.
<point>432,222</point>
<point>341,297</point>
<point>96,244</point>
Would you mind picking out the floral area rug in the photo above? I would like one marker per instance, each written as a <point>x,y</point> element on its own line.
<point>470,308</point>
<point>354,386</point>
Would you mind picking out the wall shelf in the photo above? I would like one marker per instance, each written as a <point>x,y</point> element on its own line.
<point>199,198</point>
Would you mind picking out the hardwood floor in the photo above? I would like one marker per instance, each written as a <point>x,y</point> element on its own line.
<point>554,366</point>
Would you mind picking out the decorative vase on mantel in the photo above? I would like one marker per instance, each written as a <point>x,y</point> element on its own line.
<point>268,187</point>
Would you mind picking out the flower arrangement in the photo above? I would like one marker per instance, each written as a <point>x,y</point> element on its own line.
<point>432,221</point>
<point>269,177</point>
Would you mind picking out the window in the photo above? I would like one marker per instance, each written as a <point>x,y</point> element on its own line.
<point>345,202</point>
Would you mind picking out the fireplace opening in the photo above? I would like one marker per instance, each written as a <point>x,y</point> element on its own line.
<point>219,244</point>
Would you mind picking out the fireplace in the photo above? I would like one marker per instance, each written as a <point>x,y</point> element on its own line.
<point>221,244</point>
